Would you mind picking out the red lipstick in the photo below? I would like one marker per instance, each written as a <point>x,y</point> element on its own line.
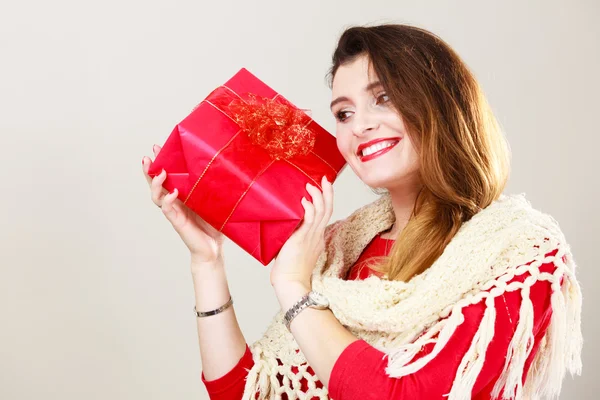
<point>379,152</point>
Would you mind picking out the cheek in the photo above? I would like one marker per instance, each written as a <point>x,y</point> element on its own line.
<point>343,144</point>
<point>412,156</point>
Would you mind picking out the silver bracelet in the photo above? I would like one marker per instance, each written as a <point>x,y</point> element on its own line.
<point>219,310</point>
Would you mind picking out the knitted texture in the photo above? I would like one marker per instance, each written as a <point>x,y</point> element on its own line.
<point>399,318</point>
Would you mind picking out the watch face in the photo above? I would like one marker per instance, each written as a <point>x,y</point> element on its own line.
<point>320,300</point>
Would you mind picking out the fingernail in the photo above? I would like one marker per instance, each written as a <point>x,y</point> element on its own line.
<point>163,172</point>
<point>154,147</point>
<point>143,160</point>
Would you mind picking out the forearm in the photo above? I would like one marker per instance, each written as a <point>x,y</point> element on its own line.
<point>318,333</point>
<point>221,341</point>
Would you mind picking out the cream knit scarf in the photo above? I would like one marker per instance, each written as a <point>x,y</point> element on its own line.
<point>399,318</point>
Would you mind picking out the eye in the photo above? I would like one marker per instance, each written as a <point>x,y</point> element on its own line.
<point>341,116</point>
<point>382,98</point>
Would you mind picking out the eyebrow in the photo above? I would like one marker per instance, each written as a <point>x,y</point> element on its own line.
<point>367,88</point>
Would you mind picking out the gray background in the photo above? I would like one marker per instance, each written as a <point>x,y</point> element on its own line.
<point>96,292</point>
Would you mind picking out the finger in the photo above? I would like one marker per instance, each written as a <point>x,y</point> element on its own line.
<point>168,205</point>
<point>147,162</point>
<point>307,221</point>
<point>317,202</point>
<point>177,206</point>
<point>328,203</point>
<point>157,191</point>
<point>145,167</point>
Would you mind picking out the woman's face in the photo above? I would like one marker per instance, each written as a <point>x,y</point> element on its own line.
<point>365,117</point>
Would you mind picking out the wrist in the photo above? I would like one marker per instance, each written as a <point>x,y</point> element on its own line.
<point>288,293</point>
<point>211,289</point>
<point>200,266</point>
<point>285,286</point>
<point>209,281</point>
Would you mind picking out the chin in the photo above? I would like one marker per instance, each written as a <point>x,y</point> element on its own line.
<point>379,183</point>
<point>389,182</point>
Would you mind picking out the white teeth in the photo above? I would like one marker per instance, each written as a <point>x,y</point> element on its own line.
<point>376,147</point>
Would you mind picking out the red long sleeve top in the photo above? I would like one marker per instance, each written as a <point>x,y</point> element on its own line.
<point>359,372</point>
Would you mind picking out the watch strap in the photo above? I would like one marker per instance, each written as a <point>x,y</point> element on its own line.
<point>300,305</point>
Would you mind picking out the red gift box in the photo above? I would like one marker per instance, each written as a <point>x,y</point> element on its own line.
<point>241,161</point>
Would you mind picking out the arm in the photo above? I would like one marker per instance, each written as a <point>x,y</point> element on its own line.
<point>221,341</point>
<point>318,333</point>
<point>352,369</point>
<point>231,385</point>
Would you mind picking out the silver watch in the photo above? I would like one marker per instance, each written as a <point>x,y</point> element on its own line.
<point>311,299</point>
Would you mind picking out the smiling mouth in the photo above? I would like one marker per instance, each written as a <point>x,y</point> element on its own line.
<point>377,150</point>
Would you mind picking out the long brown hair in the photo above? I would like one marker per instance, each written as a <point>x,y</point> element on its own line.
<point>464,157</point>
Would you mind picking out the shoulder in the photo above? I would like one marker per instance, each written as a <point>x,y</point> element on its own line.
<point>514,214</point>
<point>514,236</point>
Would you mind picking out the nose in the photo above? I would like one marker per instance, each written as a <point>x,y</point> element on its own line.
<point>363,122</point>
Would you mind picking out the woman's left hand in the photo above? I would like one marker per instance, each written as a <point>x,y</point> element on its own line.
<point>298,256</point>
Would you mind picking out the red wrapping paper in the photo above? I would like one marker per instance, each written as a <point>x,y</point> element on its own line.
<point>245,189</point>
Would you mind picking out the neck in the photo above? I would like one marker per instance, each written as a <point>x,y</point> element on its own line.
<point>403,202</point>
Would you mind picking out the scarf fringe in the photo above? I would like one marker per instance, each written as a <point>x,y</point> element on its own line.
<point>398,364</point>
<point>556,355</point>
<point>472,362</point>
<point>403,354</point>
<point>511,378</point>
<point>258,379</point>
<point>262,382</point>
<point>552,359</point>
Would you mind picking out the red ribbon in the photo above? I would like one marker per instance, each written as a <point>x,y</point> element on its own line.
<point>276,126</point>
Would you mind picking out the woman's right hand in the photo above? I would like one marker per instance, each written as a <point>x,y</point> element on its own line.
<point>204,242</point>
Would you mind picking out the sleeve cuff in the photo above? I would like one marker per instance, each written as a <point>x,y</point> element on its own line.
<point>237,374</point>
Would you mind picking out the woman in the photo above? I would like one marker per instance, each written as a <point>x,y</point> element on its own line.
<point>442,287</point>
